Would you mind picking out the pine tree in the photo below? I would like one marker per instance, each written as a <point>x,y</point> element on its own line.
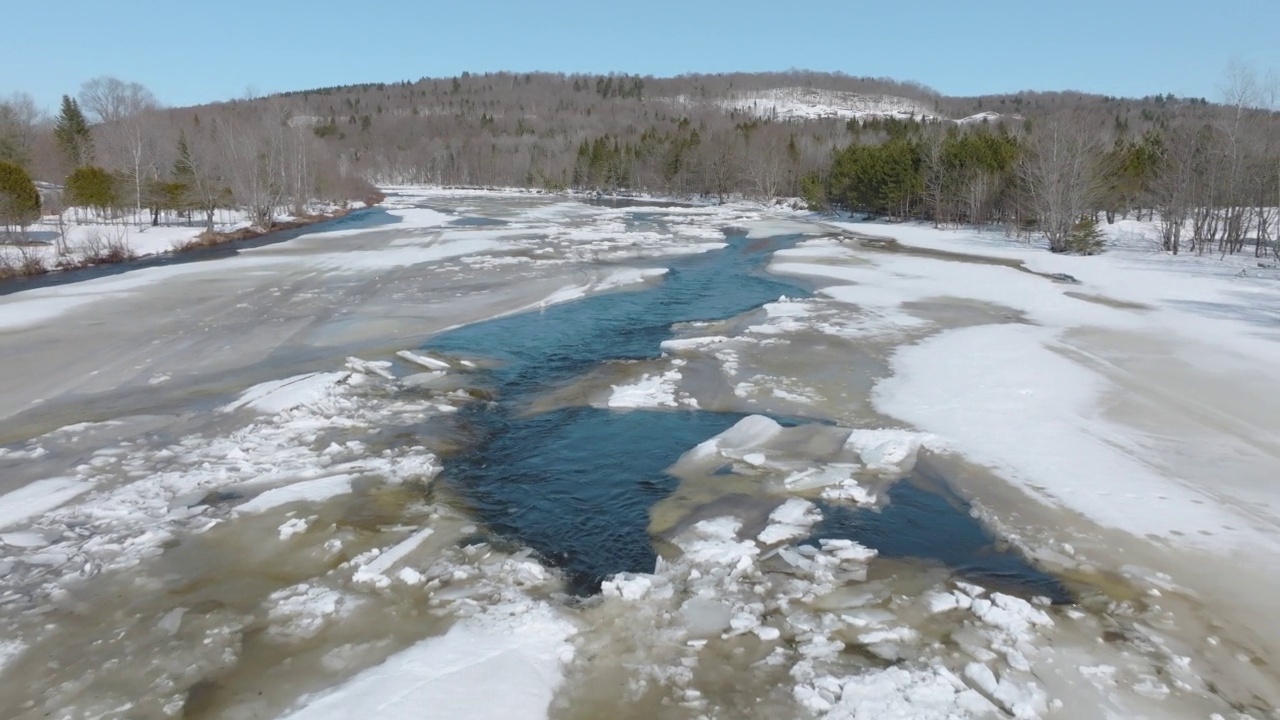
<point>1085,237</point>
<point>183,168</point>
<point>71,130</point>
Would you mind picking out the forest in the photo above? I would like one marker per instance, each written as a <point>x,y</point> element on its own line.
<point>1054,164</point>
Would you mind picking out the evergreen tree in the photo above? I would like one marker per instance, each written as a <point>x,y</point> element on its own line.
<point>90,186</point>
<point>71,131</point>
<point>1085,237</point>
<point>183,168</point>
<point>13,143</point>
<point>19,199</point>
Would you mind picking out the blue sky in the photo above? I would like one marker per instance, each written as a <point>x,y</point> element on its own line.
<point>201,51</point>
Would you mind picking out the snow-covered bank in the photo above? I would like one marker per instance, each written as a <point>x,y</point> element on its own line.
<point>56,243</point>
<point>1137,399</point>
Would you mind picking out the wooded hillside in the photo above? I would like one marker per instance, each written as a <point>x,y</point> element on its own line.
<point>1037,161</point>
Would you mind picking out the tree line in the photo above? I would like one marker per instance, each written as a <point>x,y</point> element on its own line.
<point>115,150</point>
<point>1036,162</point>
<point>1209,176</point>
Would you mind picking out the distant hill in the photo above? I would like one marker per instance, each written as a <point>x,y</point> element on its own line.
<point>529,128</point>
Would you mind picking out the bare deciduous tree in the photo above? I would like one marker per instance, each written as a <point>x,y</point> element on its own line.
<point>110,99</point>
<point>127,133</point>
<point>18,120</point>
<point>1062,173</point>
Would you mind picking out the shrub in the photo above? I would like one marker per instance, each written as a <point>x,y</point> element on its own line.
<point>19,199</point>
<point>30,260</point>
<point>1085,238</point>
<point>100,249</point>
<point>93,187</point>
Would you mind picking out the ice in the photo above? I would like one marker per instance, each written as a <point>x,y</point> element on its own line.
<point>381,368</point>
<point>422,379</point>
<point>706,617</point>
<point>615,279</point>
<point>503,664</point>
<point>306,491</point>
<point>791,520</point>
<point>629,276</point>
<point>293,526</point>
<point>277,396</point>
<point>751,431</point>
<point>10,650</point>
<point>171,623</point>
<point>24,539</point>
<point>693,343</point>
<point>37,498</point>
<point>631,586</point>
<point>426,361</point>
<point>374,571</point>
<point>651,390</point>
<point>300,612</point>
<point>886,451</point>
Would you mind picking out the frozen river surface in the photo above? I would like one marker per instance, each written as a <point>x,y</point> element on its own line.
<point>504,456</point>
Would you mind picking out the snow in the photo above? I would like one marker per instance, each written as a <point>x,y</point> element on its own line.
<point>85,227</point>
<point>1031,401</point>
<point>802,103</point>
<point>1038,422</point>
<point>505,664</point>
<point>989,116</point>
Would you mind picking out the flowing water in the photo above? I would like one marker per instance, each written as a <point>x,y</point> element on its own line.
<point>576,484</point>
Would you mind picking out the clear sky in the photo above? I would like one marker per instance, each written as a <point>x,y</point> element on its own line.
<point>203,50</point>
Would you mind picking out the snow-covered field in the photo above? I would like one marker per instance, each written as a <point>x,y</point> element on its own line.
<point>82,235</point>
<point>220,490</point>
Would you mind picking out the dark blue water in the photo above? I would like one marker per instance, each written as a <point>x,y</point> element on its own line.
<point>577,484</point>
<point>539,349</point>
<point>931,523</point>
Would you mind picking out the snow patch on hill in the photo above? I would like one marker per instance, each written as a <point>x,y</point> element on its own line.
<point>986,116</point>
<point>799,103</point>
